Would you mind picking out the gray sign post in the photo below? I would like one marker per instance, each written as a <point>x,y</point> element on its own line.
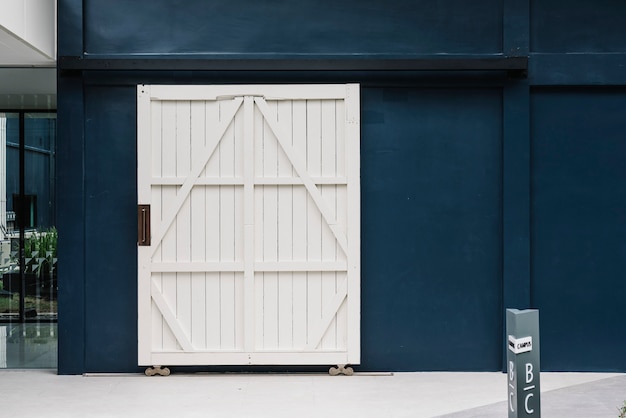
<point>522,329</point>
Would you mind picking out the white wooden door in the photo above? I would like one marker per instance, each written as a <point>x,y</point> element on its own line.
<point>249,235</point>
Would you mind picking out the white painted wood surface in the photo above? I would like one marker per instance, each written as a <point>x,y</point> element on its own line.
<point>255,219</point>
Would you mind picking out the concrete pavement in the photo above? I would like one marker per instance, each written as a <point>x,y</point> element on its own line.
<point>38,393</point>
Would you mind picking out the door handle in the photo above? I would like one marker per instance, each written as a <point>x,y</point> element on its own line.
<point>143,225</point>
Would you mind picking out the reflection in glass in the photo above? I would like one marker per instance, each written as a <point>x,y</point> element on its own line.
<point>28,240</point>
<point>9,184</point>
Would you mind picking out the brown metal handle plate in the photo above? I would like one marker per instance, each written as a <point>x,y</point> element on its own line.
<point>143,225</point>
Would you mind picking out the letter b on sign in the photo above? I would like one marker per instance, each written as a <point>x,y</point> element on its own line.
<point>529,372</point>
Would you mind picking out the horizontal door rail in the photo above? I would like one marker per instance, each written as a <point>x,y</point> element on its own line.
<point>259,266</point>
<point>514,65</point>
<point>238,181</point>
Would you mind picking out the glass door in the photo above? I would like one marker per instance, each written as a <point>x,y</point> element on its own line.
<point>28,237</point>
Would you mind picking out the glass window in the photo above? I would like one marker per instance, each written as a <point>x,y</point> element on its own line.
<point>28,258</point>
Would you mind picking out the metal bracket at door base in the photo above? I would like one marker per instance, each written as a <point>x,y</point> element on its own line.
<point>341,369</point>
<point>157,371</point>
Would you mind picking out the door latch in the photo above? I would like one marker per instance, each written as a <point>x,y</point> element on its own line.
<point>143,225</point>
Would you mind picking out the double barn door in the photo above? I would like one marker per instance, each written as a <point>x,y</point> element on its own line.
<point>249,225</point>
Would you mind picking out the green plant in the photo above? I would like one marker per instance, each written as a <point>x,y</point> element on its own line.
<point>40,251</point>
<point>622,411</point>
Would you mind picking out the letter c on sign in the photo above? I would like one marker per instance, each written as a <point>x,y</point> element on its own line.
<point>528,411</point>
<point>511,394</point>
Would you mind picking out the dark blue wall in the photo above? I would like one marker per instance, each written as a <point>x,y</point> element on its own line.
<point>111,235</point>
<point>577,168</point>
<point>478,192</point>
<point>292,27</point>
<point>579,225</point>
<point>582,26</point>
<point>431,228</point>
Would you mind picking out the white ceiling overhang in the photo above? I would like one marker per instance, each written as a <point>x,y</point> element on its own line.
<point>28,54</point>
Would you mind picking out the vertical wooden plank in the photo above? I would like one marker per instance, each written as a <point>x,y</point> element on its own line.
<point>212,219</point>
<point>258,141</point>
<point>212,193</point>
<point>285,121</point>
<point>314,285</point>
<point>258,311</point>
<point>285,310</point>
<point>156,334</point>
<point>239,154</point>
<point>198,310</point>
<point>239,309</point>
<point>239,145</point>
<point>198,233</point>
<point>329,243</point>
<point>227,279</point>
<point>340,158</point>
<point>258,257</point>
<point>145,151</point>
<point>213,311</point>
<point>341,205</point>
<point>227,238</point>
<point>169,289</point>
<point>299,232</point>
<point>168,245</point>
<point>314,138</point>
<point>342,312</point>
<point>183,218</point>
<point>353,148</point>
<point>314,217</point>
<point>341,208</point>
<point>168,169</point>
<point>157,318</point>
<point>340,151</point>
<point>341,319</point>
<point>270,237</point>
<point>328,144</point>
<point>212,117</point>
<point>285,232</point>
<point>147,318</point>
<point>244,250</point>
<point>157,172</point>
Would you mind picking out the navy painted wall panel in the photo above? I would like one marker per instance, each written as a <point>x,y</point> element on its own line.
<point>579,227</point>
<point>70,27</point>
<point>71,225</point>
<point>431,224</point>
<point>111,229</point>
<point>431,229</point>
<point>292,27</point>
<point>559,26</point>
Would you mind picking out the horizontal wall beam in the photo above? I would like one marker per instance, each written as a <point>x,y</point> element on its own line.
<point>515,66</point>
